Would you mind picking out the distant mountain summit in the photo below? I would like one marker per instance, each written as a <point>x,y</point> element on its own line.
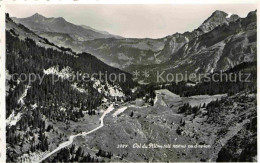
<point>37,16</point>
<point>38,23</point>
<point>217,18</point>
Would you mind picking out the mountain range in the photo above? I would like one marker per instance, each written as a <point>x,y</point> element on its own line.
<point>39,23</point>
<point>205,51</point>
<point>210,47</point>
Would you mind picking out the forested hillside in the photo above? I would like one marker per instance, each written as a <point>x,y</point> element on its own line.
<point>53,93</point>
<point>239,78</point>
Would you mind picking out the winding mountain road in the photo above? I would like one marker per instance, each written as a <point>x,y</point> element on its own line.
<point>71,138</point>
<point>109,109</point>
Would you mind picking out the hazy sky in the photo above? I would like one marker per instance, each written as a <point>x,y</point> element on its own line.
<point>133,21</point>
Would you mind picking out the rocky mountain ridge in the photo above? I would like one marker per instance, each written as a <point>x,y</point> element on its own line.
<point>219,43</point>
<point>222,48</point>
<point>39,23</point>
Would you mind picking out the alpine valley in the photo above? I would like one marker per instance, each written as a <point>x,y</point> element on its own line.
<point>53,118</point>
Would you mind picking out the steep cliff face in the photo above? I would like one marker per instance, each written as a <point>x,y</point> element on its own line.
<point>220,43</point>
<point>220,49</point>
<point>176,41</point>
<point>228,44</point>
